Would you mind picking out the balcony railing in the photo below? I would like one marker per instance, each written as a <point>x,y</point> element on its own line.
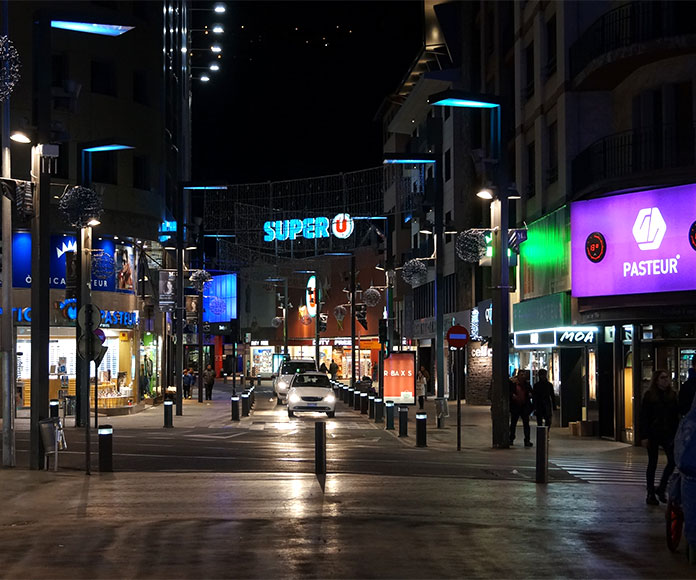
<point>630,24</point>
<point>634,152</point>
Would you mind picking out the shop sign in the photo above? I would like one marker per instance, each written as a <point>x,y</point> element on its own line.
<point>634,243</point>
<point>259,343</point>
<point>311,296</point>
<point>20,314</point>
<point>578,337</point>
<point>118,318</point>
<point>482,352</point>
<point>400,378</point>
<point>341,226</point>
<point>485,319</point>
<point>556,337</point>
<point>112,263</point>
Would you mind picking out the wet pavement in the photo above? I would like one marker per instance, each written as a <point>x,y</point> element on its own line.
<point>476,513</point>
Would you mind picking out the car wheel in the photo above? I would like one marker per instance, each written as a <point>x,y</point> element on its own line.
<point>330,414</point>
<point>290,413</point>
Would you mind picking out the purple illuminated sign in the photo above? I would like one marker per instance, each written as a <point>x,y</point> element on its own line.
<point>634,243</point>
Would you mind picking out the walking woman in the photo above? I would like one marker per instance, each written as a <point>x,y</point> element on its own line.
<point>659,419</point>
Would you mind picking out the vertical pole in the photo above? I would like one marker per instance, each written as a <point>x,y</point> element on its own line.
<point>500,405</point>
<point>459,406</point>
<point>317,301</point>
<point>320,447</point>
<point>201,365</point>
<point>180,308</point>
<point>85,293</point>
<point>352,321</point>
<point>542,454</point>
<point>286,301</point>
<point>40,235</point>
<point>7,350</point>
<point>96,395</point>
<point>438,231</point>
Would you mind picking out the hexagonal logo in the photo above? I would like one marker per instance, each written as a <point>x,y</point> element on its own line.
<point>649,228</point>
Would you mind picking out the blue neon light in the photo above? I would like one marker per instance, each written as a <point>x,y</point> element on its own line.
<point>107,148</point>
<point>220,299</point>
<point>91,27</point>
<point>167,226</point>
<point>407,161</point>
<point>206,187</point>
<point>452,102</point>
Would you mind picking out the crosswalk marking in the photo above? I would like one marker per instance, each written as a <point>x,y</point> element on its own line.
<point>603,472</point>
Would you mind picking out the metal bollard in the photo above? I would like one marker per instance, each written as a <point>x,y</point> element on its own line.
<point>542,454</point>
<point>252,397</point>
<point>53,406</point>
<point>168,414</point>
<point>349,400</point>
<point>344,393</point>
<point>356,400</point>
<point>320,448</point>
<point>245,404</point>
<point>421,424</point>
<point>234,404</point>
<point>403,421</point>
<point>363,403</point>
<point>371,406</point>
<point>379,411</point>
<point>390,415</point>
<point>106,448</point>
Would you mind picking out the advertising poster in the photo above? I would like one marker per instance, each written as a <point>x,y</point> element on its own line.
<point>124,268</point>
<point>167,289</point>
<point>400,378</point>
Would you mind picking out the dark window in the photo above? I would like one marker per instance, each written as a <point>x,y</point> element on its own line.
<point>423,301</point>
<point>141,172</point>
<point>551,46</point>
<point>63,169</point>
<point>59,70</point>
<point>415,241</point>
<point>450,293</point>
<point>448,165</point>
<point>104,167</point>
<point>447,113</point>
<point>140,88</point>
<point>531,174</point>
<point>529,68</point>
<point>104,77</point>
<point>552,170</point>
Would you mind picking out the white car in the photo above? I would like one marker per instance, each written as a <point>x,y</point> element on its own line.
<point>288,369</point>
<point>311,391</point>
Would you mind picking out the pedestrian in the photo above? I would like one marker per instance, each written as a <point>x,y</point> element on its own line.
<point>322,368</point>
<point>520,406</point>
<point>688,389</point>
<point>659,419</point>
<point>544,399</point>
<point>333,370</point>
<point>426,374</point>
<point>209,381</point>
<point>187,382</point>
<point>421,385</point>
<point>144,383</point>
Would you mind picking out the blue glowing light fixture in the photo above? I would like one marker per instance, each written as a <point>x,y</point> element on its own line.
<point>112,147</point>
<point>455,98</point>
<point>205,187</point>
<point>91,27</point>
<point>408,158</point>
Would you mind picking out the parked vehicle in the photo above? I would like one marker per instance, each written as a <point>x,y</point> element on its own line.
<point>288,369</point>
<point>311,391</point>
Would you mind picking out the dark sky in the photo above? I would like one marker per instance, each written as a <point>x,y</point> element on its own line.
<point>299,86</point>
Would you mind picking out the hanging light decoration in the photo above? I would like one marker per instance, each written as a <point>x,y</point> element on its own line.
<point>80,205</point>
<point>217,305</point>
<point>277,321</point>
<point>9,67</point>
<point>199,279</point>
<point>371,297</point>
<point>414,272</point>
<point>340,313</point>
<point>470,245</point>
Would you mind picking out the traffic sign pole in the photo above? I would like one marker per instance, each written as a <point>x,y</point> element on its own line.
<point>457,338</point>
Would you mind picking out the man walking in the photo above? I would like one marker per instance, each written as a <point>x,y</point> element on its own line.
<point>208,382</point>
<point>544,399</point>
<point>520,406</point>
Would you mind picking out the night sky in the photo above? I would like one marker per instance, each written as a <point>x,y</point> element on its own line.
<point>299,86</point>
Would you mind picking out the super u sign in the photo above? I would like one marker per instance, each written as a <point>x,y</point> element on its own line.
<point>341,226</point>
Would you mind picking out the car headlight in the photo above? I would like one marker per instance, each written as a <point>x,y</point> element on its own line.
<point>282,385</point>
<point>294,398</point>
<point>330,398</point>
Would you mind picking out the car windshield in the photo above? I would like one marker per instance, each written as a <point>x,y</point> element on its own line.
<point>312,381</point>
<point>292,368</point>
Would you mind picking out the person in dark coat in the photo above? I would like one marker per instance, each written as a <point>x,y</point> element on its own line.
<point>187,383</point>
<point>333,370</point>
<point>209,381</point>
<point>687,391</point>
<point>659,419</point>
<point>544,399</point>
<point>520,405</point>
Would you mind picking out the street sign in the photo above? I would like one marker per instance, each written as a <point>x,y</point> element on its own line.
<point>93,312</point>
<point>96,346</point>
<point>457,336</point>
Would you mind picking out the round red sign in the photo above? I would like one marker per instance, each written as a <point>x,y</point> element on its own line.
<point>457,336</point>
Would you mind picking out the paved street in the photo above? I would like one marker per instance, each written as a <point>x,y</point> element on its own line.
<point>214,499</point>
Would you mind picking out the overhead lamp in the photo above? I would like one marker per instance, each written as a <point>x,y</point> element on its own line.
<point>485,193</point>
<point>205,78</point>
<point>218,29</point>
<point>427,232</point>
<point>408,158</point>
<point>93,222</point>
<point>216,48</point>
<point>456,98</point>
<point>91,27</point>
<point>19,137</point>
<point>214,66</point>
<point>220,8</point>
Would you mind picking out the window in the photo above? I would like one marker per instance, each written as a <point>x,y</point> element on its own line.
<point>552,171</point>
<point>448,165</point>
<point>104,77</point>
<point>104,167</point>
<point>529,68</point>
<point>59,70</point>
<point>551,46</point>
<point>447,113</point>
<point>140,88</point>
<point>531,174</point>
<point>141,172</point>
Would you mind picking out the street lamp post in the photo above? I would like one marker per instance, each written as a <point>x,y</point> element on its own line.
<point>500,403</point>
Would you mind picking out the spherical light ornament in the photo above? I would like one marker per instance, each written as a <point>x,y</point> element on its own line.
<point>340,312</point>
<point>371,297</point>
<point>277,322</point>
<point>217,305</point>
<point>199,279</point>
<point>9,67</point>
<point>470,245</point>
<point>80,205</point>
<point>414,272</point>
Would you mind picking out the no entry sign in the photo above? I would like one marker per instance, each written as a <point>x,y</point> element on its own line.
<point>457,336</point>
